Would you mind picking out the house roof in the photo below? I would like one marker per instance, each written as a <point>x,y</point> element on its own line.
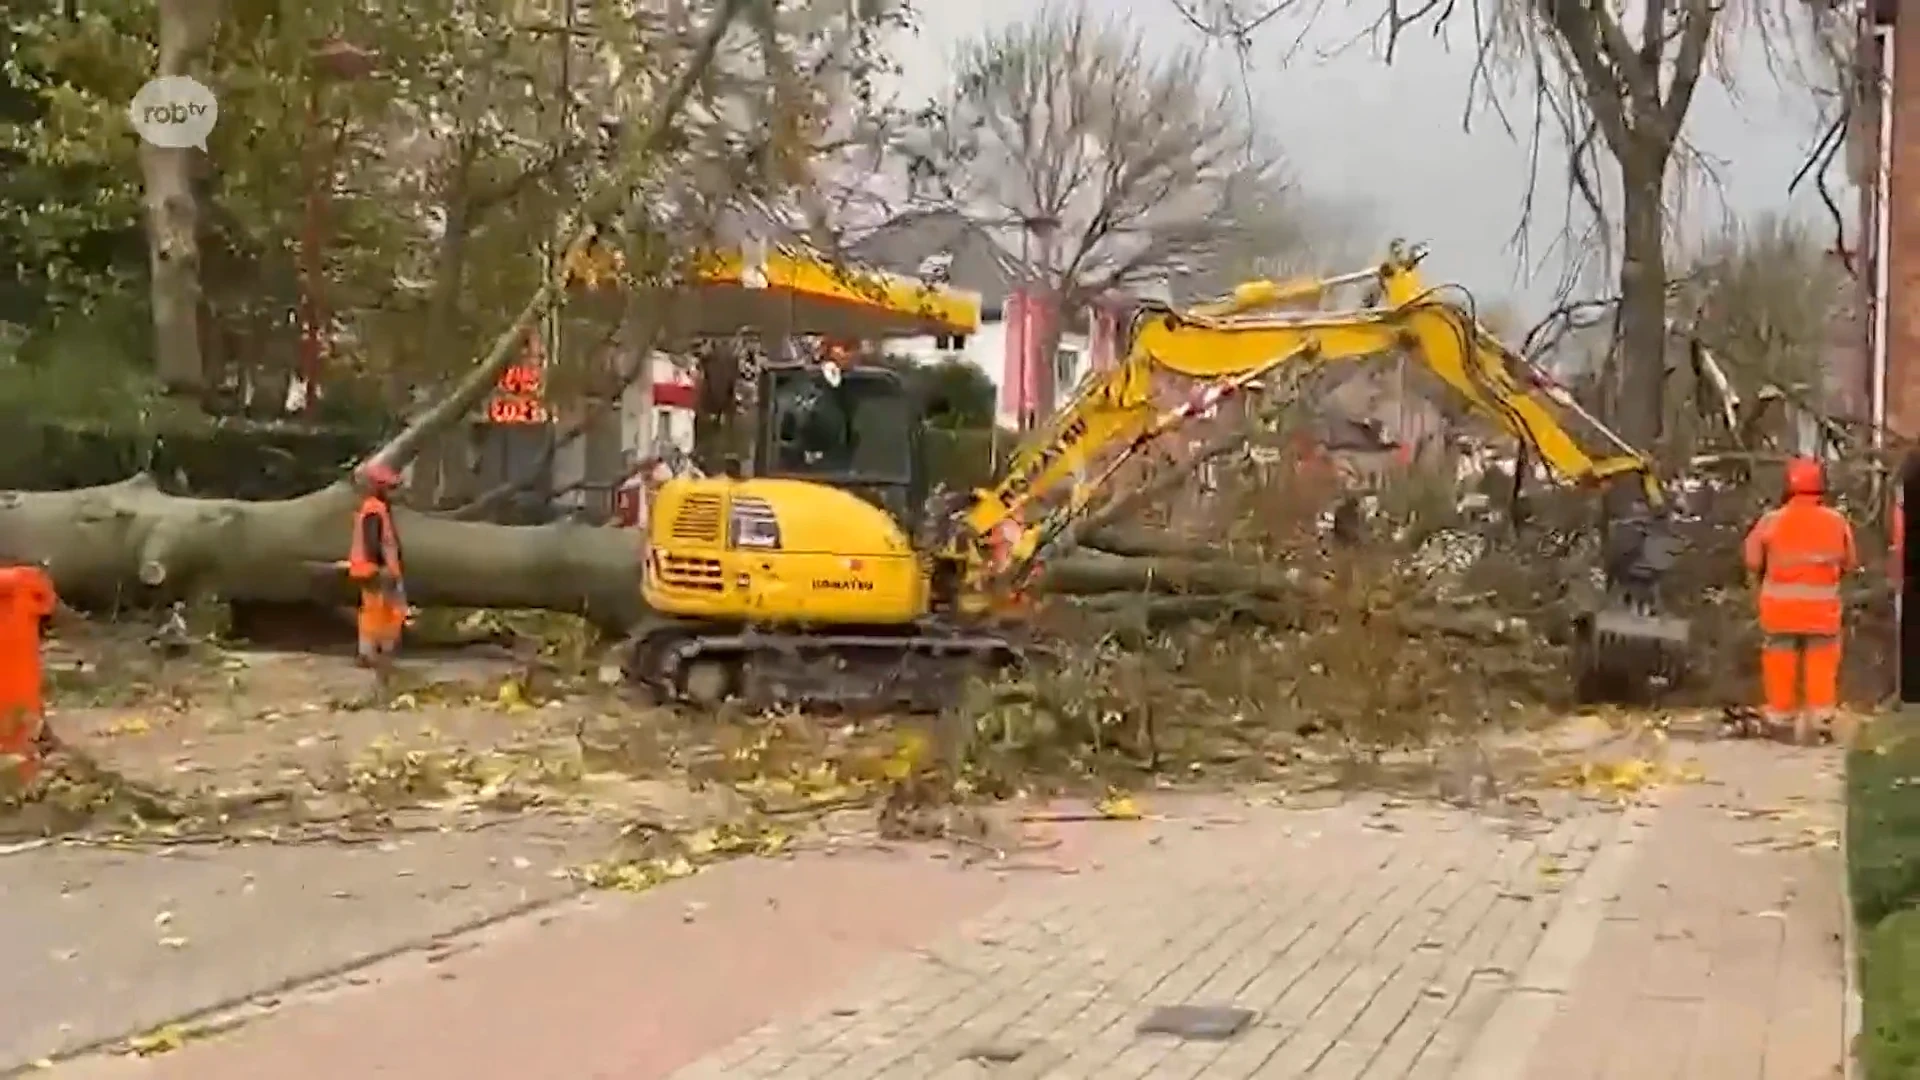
<point>974,260</point>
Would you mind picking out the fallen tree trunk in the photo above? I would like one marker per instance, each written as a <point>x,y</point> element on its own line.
<point>1094,573</point>
<point>1145,612</point>
<point>1151,543</point>
<point>131,544</point>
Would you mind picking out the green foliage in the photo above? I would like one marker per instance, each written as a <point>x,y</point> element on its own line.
<point>218,460</point>
<point>956,395</point>
<point>1890,988</point>
<point>963,448</point>
<point>69,181</point>
<point>1883,823</point>
<point>449,158</point>
<point>1883,867</point>
<point>963,459</point>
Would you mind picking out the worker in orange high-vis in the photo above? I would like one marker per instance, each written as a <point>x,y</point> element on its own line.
<point>373,562</point>
<point>1798,553</point>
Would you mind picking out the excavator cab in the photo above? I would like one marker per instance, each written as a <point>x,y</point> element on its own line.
<point>856,428</point>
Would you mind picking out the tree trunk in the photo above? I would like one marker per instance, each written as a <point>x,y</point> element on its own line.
<point>173,220</point>
<point>450,258</point>
<point>1639,401</point>
<point>129,544</point>
<point>720,430</point>
<point>616,207</point>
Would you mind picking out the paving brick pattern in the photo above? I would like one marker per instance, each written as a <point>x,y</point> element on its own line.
<point>1722,953</point>
<point>1371,940</point>
<point>1693,938</point>
<point>1696,935</point>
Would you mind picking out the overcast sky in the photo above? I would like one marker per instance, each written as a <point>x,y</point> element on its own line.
<point>1390,138</point>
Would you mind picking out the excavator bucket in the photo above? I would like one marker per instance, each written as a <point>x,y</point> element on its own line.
<point>1629,651</point>
<point>1630,657</point>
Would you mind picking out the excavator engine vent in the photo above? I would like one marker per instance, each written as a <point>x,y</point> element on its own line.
<point>698,520</point>
<point>691,572</point>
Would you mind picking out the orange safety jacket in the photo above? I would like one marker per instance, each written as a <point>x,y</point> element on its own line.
<point>376,545</point>
<point>1801,551</point>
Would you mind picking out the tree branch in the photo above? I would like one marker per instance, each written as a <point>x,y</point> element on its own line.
<point>1696,32</point>
<point>482,504</point>
<point>466,394</point>
<point>1574,26</point>
<point>1640,82</point>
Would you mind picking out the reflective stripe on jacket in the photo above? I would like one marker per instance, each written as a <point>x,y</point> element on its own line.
<point>1801,551</point>
<point>376,546</point>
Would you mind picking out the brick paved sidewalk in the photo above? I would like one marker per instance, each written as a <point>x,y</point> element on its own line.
<point>1721,953</point>
<point>1697,937</point>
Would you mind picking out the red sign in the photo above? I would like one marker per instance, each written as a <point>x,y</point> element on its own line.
<point>522,379</point>
<point>675,395</point>
<point>520,394</point>
<point>518,410</point>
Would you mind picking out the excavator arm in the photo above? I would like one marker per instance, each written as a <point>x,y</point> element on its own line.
<point>1227,345</point>
<point>1623,648</point>
<point>1115,410</point>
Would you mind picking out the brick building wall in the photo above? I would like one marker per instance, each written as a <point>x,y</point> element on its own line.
<point>1902,202</point>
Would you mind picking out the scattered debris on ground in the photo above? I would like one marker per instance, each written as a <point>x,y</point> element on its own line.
<point>1423,653</point>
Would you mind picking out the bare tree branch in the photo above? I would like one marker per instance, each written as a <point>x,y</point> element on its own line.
<point>1140,168</point>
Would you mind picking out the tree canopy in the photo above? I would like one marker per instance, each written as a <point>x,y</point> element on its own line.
<point>404,164</point>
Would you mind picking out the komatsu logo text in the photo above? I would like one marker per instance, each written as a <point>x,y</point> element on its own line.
<point>842,584</point>
<point>1021,479</point>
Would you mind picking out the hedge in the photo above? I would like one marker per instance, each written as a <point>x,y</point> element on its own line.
<point>221,460</point>
<point>1883,867</point>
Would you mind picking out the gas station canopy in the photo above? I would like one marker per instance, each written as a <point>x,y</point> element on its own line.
<point>790,292</point>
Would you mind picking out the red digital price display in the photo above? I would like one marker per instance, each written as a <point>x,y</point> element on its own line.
<point>517,410</point>
<point>521,379</point>
<point>520,399</point>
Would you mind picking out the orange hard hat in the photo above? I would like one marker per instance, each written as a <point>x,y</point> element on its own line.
<point>1805,477</point>
<point>379,477</point>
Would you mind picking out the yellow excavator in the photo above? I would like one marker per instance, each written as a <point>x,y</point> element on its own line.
<point>818,576</point>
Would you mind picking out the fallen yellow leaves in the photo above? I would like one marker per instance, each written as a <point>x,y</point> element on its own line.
<point>637,875</point>
<point>512,696</point>
<point>695,851</point>
<point>161,1040</point>
<point>389,774</point>
<point>1118,806</point>
<point>132,725</point>
<point>1626,777</point>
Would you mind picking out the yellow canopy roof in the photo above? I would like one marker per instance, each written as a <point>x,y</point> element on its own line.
<point>783,291</point>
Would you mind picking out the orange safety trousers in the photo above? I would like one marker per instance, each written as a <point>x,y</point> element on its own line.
<point>1788,659</point>
<point>1800,551</point>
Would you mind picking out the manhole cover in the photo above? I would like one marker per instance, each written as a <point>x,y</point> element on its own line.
<point>1209,1022</point>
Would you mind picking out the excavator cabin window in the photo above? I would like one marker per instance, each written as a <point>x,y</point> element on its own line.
<point>862,431</point>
